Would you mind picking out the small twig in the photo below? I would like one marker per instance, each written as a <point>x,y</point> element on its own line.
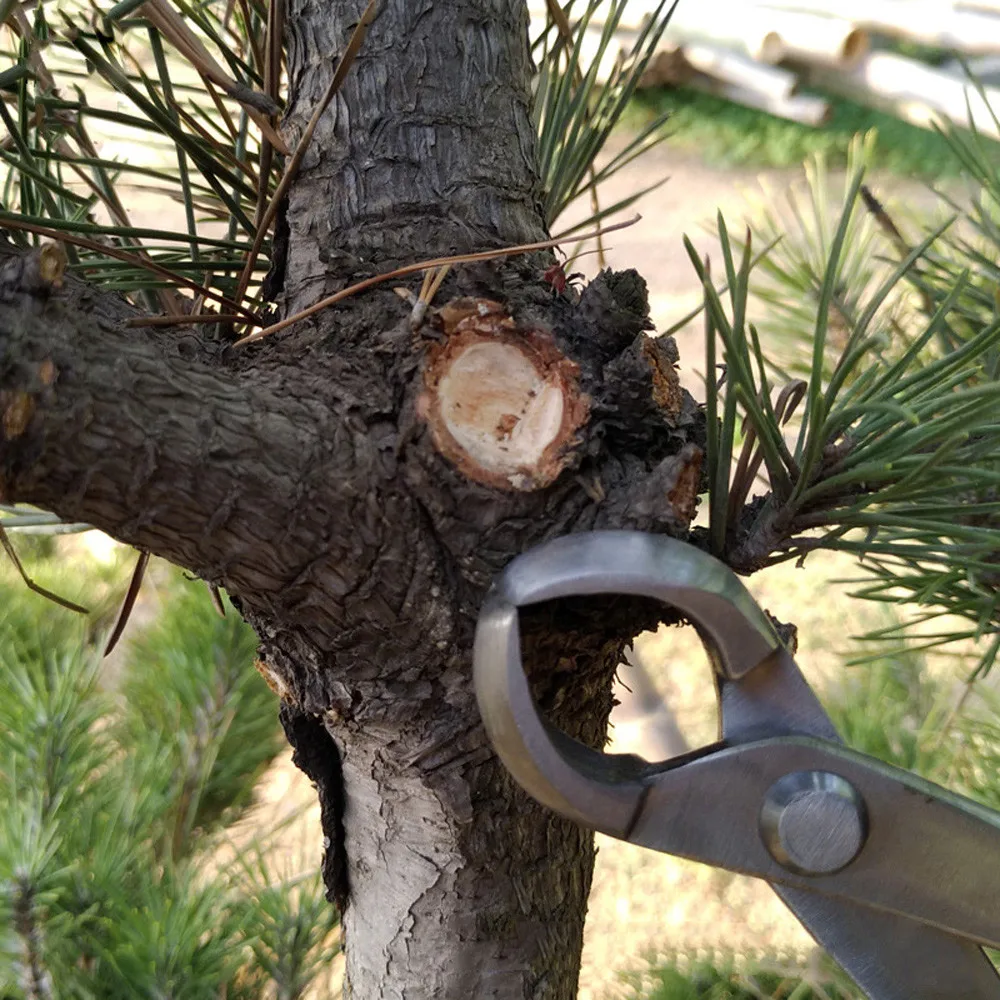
<point>128,602</point>
<point>35,978</point>
<point>884,220</point>
<point>216,596</point>
<point>400,272</point>
<point>275,47</point>
<point>30,584</point>
<point>292,168</point>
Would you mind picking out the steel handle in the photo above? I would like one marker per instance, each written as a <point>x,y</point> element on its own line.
<point>602,791</point>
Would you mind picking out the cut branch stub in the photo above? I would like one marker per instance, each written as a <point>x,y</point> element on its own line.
<point>502,403</point>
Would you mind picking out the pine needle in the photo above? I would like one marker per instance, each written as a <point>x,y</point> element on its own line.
<point>128,602</point>
<point>400,272</point>
<point>131,258</point>
<point>292,169</point>
<point>30,584</point>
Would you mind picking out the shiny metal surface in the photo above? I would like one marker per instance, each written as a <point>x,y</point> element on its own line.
<point>736,633</point>
<point>899,879</point>
<point>891,957</point>
<point>602,791</point>
<point>931,856</point>
<point>813,822</point>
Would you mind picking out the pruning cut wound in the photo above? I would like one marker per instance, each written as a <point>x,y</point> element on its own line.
<point>502,403</point>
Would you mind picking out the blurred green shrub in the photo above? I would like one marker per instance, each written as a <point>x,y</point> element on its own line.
<point>115,799</point>
<point>722,980</point>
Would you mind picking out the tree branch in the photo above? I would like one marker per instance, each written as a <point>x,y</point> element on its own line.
<point>151,437</point>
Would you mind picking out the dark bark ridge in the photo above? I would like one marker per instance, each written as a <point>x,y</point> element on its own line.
<point>432,130</point>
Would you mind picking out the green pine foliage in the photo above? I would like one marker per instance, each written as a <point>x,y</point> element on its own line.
<point>575,113</point>
<point>879,436</point>
<point>213,730</point>
<point>725,979</point>
<point>115,800</point>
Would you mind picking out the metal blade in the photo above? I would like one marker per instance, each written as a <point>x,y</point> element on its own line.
<point>890,957</point>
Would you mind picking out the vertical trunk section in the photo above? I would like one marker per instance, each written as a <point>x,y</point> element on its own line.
<point>453,883</point>
<point>457,884</point>
<point>429,147</point>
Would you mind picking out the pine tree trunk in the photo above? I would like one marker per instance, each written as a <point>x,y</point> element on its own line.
<point>325,479</point>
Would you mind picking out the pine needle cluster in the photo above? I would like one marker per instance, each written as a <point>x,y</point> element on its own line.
<point>868,422</point>
<point>116,799</point>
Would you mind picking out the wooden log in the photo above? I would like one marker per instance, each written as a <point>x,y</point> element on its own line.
<point>737,33</point>
<point>911,90</point>
<point>738,70</point>
<point>818,38</point>
<point>668,67</point>
<point>676,66</point>
<point>984,6</point>
<point>803,108</point>
<point>770,34</point>
<point>927,22</point>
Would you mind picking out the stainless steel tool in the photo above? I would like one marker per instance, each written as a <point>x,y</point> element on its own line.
<point>897,878</point>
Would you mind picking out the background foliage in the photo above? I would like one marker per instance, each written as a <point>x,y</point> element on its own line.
<point>119,784</point>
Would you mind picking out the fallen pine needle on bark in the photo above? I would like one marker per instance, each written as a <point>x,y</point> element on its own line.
<point>400,272</point>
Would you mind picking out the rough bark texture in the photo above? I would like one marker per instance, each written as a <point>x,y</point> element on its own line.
<point>301,476</point>
<point>431,130</point>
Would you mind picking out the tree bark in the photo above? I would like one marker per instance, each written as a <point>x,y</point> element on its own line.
<point>303,475</point>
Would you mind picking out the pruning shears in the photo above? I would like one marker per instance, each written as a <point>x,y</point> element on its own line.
<point>897,878</point>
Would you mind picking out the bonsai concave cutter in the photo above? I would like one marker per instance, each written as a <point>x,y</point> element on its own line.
<point>897,878</point>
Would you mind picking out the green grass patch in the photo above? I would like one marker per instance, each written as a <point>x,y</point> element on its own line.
<point>729,135</point>
<point>118,878</point>
<point>724,979</point>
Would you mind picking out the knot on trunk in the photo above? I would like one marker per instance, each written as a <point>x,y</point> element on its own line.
<point>616,306</point>
<point>502,403</point>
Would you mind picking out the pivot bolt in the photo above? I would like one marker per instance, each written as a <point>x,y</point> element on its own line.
<point>813,822</point>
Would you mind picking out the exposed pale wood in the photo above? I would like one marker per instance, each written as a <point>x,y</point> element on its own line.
<point>912,91</point>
